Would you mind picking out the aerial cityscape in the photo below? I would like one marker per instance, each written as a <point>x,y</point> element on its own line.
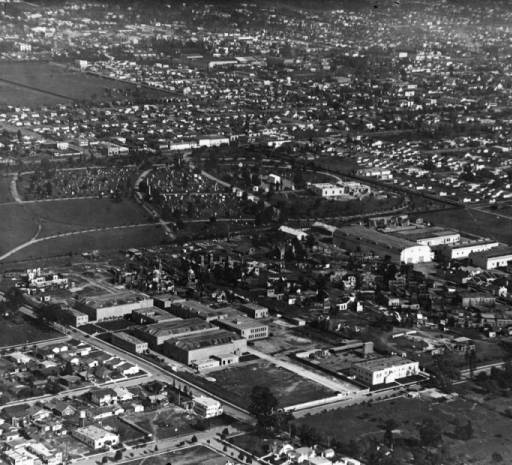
<point>267,232</point>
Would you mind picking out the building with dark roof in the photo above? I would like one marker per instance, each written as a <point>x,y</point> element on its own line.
<point>156,334</point>
<point>202,346</point>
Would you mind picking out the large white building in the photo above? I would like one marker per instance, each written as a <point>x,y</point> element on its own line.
<point>433,236</point>
<point>384,370</point>
<point>370,240</point>
<point>96,437</point>
<point>207,407</point>
<point>44,454</point>
<point>328,190</point>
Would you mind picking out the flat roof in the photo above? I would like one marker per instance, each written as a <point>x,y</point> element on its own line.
<point>128,338</point>
<point>384,362</point>
<point>117,298</point>
<point>374,236</point>
<point>176,327</point>
<point>209,339</point>
<point>94,432</point>
<point>495,252</point>
<point>426,233</point>
<point>242,322</point>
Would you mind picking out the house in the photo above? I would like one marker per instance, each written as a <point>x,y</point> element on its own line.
<point>17,415</point>
<point>63,409</point>
<point>103,397</point>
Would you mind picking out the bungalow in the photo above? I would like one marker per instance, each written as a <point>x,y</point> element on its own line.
<point>104,397</point>
<point>63,409</point>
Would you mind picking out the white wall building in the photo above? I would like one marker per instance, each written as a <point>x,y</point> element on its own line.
<point>416,254</point>
<point>384,370</point>
<point>96,437</point>
<point>207,407</point>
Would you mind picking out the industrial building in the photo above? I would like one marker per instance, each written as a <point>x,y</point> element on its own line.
<point>128,342</point>
<point>491,259</point>
<point>384,370</point>
<point>195,309</point>
<point>328,190</point>
<point>157,334</point>
<point>433,236</point>
<point>464,249</point>
<point>254,310</point>
<point>166,301</point>
<point>370,240</point>
<point>96,437</point>
<point>198,347</point>
<point>151,315</point>
<point>246,327</point>
<point>112,306</point>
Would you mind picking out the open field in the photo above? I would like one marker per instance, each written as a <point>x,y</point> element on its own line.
<point>21,222</point>
<point>236,383</point>
<point>101,240</point>
<point>24,331</point>
<point>57,217</point>
<point>128,433</point>
<point>37,83</point>
<point>18,225</point>
<point>5,191</point>
<point>485,224</point>
<point>189,456</point>
<point>359,422</point>
<point>166,423</point>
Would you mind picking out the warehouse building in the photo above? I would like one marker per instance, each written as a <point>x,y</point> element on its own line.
<point>128,342</point>
<point>195,309</point>
<point>207,407</point>
<point>254,310</point>
<point>245,327</point>
<point>491,259</point>
<point>384,370</point>
<point>433,236</point>
<point>464,249</point>
<point>166,301</point>
<point>151,315</point>
<point>112,306</point>
<point>157,334</point>
<point>370,240</point>
<point>203,346</point>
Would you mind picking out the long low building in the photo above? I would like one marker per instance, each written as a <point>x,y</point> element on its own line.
<point>384,370</point>
<point>402,250</point>
<point>195,309</point>
<point>156,334</point>
<point>464,249</point>
<point>491,259</point>
<point>433,236</point>
<point>200,347</point>
<point>111,306</point>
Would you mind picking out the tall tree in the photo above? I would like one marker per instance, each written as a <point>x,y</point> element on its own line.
<point>263,405</point>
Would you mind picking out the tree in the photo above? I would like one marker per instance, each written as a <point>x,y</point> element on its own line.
<point>118,455</point>
<point>496,457</point>
<point>430,432</point>
<point>193,439</point>
<point>263,405</point>
<point>389,426</point>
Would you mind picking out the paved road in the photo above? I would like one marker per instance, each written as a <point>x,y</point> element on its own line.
<point>328,382</point>
<point>169,377</point>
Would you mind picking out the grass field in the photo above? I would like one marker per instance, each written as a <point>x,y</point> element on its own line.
<point>128,433</point>
<point>21,222</point>
<point>485,224</point>
<point>236,384</point>
<point>102,240</point>
<point>190,456</point>
<point>37,83</point>
<point>358,422</point>
<point>61,216</point>
<point>24,331</point>
<point>5,192</point>
<point>166,423</point>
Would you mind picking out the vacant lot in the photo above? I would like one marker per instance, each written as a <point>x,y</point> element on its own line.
<point>21,222</point>
<point>115,239</point>
<point>166,423</point>
<point>236,383</point>
<point>18,225</point>
<point>36,83</point>
<point>128,433</point>
<point>358,422</point>
<point>61,216</point>
<point>5,191</point>
<point>190,456</point>
<point>24,330</point>
<point>485,224</point>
